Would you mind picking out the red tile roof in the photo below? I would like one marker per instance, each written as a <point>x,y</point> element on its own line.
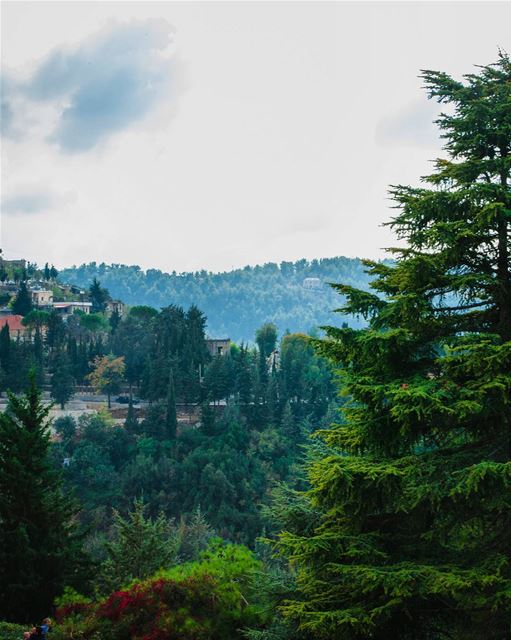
<point>14,323</point>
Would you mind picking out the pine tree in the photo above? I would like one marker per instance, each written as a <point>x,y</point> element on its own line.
<point>170,414</point>
<point>98,296</point>
<point>131,423</point>
<point>56,333</point>
<point>207,420</point>
<point>114,321</point>
<point>62,380</point>
<point>22,304</point>
<point>140,547</point>
<point>288,423</point>
<point>243,382</point>
<point>39,550</point>
<point>38,348</point>
<point>415,490</point>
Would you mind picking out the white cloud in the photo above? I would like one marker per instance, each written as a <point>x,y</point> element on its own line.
<point>98,88</point>
<point>413,125</point>
<point>33,198</point>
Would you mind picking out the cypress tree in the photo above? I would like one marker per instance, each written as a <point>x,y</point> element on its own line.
<point>22,304</point>
<point>38,348</point>
<point>208,419</point>
<point>39,550</point>
<point>170,414</point>
<point>131,423</point>
<point>62,380</point>
<point>414,491</point>
<point>5,348</point>
<point>114,321</point>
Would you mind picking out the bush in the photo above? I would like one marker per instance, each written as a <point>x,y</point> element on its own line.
<point>10,631</point>
<point>211,599</point>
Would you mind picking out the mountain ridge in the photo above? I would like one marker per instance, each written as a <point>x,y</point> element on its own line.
<point>293,295</point>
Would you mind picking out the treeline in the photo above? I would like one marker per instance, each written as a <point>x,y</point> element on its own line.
<point>255,405</point>
<point>237,302</point>
<point>227,465</point>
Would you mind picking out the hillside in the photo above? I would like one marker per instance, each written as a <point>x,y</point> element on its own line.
<point>236,302</point>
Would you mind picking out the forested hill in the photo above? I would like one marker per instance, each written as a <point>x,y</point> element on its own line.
<point>236,302</point>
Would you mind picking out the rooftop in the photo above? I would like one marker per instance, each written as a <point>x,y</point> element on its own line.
<point>14,323</point>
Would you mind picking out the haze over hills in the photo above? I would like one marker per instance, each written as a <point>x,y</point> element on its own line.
<point>293,295</point>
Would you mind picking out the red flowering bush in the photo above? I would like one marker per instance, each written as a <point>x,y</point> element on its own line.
<point>207,600</point>
<point>162,608</point>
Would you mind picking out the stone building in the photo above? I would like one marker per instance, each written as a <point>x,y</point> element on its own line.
<point>218,346</point>
<point>41,297</point>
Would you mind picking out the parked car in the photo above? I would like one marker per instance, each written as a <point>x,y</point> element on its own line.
<point>126,400</point>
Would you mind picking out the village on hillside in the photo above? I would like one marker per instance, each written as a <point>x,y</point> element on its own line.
<point>27,293</point>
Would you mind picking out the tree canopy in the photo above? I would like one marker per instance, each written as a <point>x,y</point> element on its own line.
<point>413,494</point>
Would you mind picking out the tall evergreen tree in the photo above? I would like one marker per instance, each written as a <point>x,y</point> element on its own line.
<point>171,415</point>
<point>140,547</point>
<point>5,348</point>
<point>114,321</point>
<point>415,490</point>
<point>131,423</point>
<point>98,296</point>
<point>62,380</point>
<point>22,304</point>
<point>208,419</point>
<point>39,550</point>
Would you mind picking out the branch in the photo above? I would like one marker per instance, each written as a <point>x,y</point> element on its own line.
<point>462,307</point>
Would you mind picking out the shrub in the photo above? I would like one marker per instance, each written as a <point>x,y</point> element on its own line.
<point>210,599</point>
<point>10,631</point>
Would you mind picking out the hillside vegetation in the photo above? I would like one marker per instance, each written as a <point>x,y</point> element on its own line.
<point>236,302</point>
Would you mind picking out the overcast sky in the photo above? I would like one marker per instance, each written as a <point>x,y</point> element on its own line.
<point>184,136</point>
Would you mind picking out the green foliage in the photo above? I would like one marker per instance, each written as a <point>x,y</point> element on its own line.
<point>62,380</point>
<point>237,302</point>
<point>93,322</point>
<point>39,549</point>
<point>210,599</point>
<point>107,374</point>
<point>35,318</point>
<point>412,494</point>
<point>140,546</point>
<point>22,304</point>
<point>266,338</point>
<point>11,631</point>
<point>98,296</point>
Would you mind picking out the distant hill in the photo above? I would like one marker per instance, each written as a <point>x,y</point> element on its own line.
<point>293,295</point>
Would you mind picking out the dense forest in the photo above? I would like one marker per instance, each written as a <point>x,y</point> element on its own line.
<point>237,302</point>
<point>351,486</point>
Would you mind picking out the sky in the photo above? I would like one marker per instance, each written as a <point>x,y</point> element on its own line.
<point>210,135</point>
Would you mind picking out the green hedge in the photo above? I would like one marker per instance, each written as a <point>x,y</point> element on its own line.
<point>10,631</point>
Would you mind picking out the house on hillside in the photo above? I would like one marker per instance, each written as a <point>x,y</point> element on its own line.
<point>41,297</point>
<point>115,305</point>
<point>312,283</point>
<point>66,309</point>
<point>218,346</point>
<point>16,329</point>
